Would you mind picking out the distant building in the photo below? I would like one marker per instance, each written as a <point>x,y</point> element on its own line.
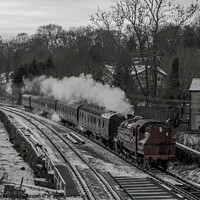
<point>109,71</point>
<point>161,77</point>
<point>195,104</point>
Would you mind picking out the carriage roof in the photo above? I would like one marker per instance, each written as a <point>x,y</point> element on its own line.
<point>66,104</point>
<point>96,110</point>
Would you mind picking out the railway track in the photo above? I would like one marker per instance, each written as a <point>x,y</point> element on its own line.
<point>94,185</point>
<point>178,185</point>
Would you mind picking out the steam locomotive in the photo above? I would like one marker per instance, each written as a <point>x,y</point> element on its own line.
<point>147,141</point>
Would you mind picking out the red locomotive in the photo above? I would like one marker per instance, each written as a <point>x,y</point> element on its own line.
<point>149,142</point>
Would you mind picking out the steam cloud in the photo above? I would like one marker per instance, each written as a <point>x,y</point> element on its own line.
<point>76,89</point>
<point>8,88</point>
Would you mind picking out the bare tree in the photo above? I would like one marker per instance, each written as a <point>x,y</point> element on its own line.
<point>51,35</point>
<point>144,20</point>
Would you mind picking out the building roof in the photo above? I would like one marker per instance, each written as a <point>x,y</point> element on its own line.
<point>139,69</point>
<point>195,85</point>
<point>110,68</point>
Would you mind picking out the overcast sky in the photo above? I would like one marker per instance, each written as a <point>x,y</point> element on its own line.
<point>17,16</point>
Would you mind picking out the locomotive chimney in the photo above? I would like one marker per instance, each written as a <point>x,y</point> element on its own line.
<point>130,116</point>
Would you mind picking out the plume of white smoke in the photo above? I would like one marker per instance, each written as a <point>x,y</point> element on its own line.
<point>55,117</point>
<point>8,88</point>
<point>33,85</point>
<point>84,87</point>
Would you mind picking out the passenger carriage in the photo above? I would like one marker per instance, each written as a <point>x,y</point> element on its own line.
<point>68,112</point>
<point>47,105</point>
<point>110,121</point>
<point>90,119</point>
<point>34,102</point>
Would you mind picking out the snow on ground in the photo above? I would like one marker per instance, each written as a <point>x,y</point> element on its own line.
<point>188,172</point>
<point>11,163</point>
<point>34,131</point>
<point>105,161</point>
<point>10,166</point>
<point>119,169</point>
<point>189,140</point>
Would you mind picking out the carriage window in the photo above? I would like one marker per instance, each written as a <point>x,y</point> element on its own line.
<point>103,124</point>
<point>94,120</point>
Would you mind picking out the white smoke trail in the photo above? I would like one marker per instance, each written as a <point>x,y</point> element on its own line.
<point>84,87</point>
<point>8,88</point>
<point>33,86</point>
<point>55,117</point>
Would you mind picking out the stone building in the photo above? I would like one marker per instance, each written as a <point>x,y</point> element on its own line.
<point>195,104</point>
